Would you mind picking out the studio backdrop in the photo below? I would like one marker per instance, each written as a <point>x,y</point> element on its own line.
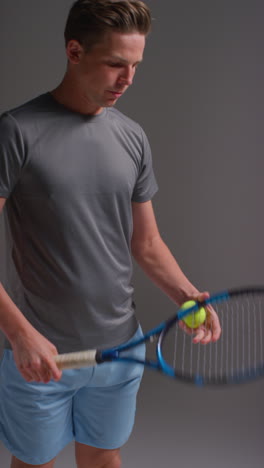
<point>199,97</point>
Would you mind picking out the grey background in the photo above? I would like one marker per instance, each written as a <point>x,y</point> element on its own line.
<point>199,97</point>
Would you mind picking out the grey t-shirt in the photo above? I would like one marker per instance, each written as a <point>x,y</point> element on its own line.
<point>70,180</point>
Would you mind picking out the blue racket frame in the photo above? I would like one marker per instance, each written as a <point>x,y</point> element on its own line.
<point>159,332</point>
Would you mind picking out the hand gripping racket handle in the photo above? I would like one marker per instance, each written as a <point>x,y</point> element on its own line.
<point>76,360</point>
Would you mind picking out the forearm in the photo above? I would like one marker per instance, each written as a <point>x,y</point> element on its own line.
<point>12,321</point>
<point>160,265</point>
<point>33,353</point>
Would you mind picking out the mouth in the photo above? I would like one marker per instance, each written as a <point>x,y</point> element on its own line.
<point>116,94</point>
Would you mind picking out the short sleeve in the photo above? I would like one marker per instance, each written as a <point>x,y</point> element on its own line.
<point>12,154</point>
<point>146,185</point>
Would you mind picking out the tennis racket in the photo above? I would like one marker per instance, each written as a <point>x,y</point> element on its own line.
<point>238,356</point>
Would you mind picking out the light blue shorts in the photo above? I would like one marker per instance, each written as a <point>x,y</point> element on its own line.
<point>95,406</point>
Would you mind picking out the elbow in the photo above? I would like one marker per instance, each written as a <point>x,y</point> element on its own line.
<point>142,250</point>
<point>135,250</point>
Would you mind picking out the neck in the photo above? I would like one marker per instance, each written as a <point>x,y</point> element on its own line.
<point>70,95</point>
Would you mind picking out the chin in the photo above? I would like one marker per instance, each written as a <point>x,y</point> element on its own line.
<point>110,103</point>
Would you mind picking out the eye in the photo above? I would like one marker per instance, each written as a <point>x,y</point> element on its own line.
<point>115,65</point>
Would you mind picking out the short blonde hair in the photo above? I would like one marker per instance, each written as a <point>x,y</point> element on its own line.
<point>89,20</point>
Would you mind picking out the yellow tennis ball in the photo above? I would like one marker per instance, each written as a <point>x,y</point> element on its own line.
<point>195,319</point>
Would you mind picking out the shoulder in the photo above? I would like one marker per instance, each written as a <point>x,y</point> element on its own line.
<point>124,120</point>
<point>24,118</point>
<point>29,108</point>
<point>128,127</point>
<point>9,128</point>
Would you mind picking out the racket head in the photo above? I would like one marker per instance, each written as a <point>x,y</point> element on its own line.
<point>238,355</point>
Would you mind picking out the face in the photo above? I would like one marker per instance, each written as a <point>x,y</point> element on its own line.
<point>103,74</point>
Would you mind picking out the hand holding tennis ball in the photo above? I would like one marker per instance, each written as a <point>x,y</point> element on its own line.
<point>195,319</point>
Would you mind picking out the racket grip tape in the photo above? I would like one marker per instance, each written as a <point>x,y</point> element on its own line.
<point>76,360</point>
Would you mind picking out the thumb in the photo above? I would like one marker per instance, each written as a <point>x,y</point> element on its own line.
<point>202,296</point>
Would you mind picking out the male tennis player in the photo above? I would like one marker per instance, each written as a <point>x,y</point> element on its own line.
<point>76,179</point>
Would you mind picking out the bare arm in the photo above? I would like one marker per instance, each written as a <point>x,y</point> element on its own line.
<point>154,257</point>
<point>33,353</point>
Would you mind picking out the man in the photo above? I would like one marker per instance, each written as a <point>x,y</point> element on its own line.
<point>76,179</point>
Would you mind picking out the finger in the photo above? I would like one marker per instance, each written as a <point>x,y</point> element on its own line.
<point>55,372</point>
<point>30,376</point>
<point>217,330</point>
<point>202,296</point>
<point>26,376</point>
<point>211,328</point>
<point>203,335</point>
<point>38,369</point>
<point>185,327</point>
<point>26,371</point>
<point>214,322</point>
<point>216,334</point>
<point>207,338</point>
<point>46,377</point>
<point>199,334</point>
<point>34,372</point>
<point>48,371</point>
<point>44,369</point>
<point>44,374</point>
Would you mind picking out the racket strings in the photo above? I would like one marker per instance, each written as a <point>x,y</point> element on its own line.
<point>237,354</point>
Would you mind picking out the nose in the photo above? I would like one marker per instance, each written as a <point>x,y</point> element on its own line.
<point>127,75</point>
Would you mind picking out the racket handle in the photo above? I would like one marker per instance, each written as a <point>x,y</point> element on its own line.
<point>76,360</point>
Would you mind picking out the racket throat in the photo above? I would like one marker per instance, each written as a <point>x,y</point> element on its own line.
<point>107,356</point>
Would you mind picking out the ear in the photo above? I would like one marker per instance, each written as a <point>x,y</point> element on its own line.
<point>74,51</point>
